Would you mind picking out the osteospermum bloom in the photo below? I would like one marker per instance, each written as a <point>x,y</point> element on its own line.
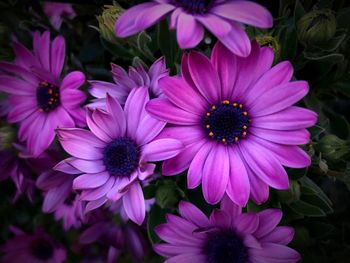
<point>40,101</point>
<point>57,12</point>
<point>114,156</point>
<point>227,236</point>
<point>223,18</point>
<point>236,118</point>
<point>126,81</point>
<point>36,247</point>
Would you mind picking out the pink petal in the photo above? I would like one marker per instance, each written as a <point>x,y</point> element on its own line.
<point>218,26</point>
<point>73,80</point>
<point>161,149</point>
<point>148,129</point>
<point>58,53</point>
<point>189,32</point>
<point>296,137</point>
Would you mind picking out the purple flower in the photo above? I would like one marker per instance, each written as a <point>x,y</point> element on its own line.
<point>227,236</point>
<point>59,198</point>
<point>37,247</point>
<point>223,18</point>
<point>114,156</point>
<point>125,82</point>
<point>57,12</point>
<point>236,119</point>
<point>40,101</point>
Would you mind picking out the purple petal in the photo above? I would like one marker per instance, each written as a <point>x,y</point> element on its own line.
<point>115,109</point>
<point>164,110</point>
<point>238,188</point>
<point>73,80</point>
<point>187,258</point>
<point>21,108</point>
<point>259,191</point>
<point>205,77</point>
<point>193,214</point>
<point>292,118</point>
<point>246,223</point>
<point>218,26</point>
<point>161,149</point>
<point>296,137</point>
<point>167,250</point>
<point>268,220</point>
<point>225,63</point>
<point>55,197</point>
<point>279,97</point>
<point>245,12</point>
<point>282,235</point>
<point>41,45</point>
<point>16,86</point>
<point>220,218</point>
<point>99,192</point>
<point>99,89</point>
<point>266,166</point>
<point>148,129</point>
<point>146,170</point>
<point>19,71</point>
<point>142,16</point>
<point>86,166</point>
<point>189,32</point>
<point>88,181</point>
<point>195,172</point>
<point>24,57</point>
<point>182,95</point>
<point>134,203</point>
<point>274,253</point>
<point>64,167</point>
<point>232,209</point>
<point>216,172</point>
<point>58,53</point>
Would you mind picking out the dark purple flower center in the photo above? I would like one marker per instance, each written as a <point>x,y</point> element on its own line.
<point>47,96</point>
<point>226,122</point>
<point>121,157</point>
<point>194,6</point>
<point>225,247</point>
<point>42,249</point>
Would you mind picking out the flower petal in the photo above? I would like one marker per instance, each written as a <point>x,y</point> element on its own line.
<point>189,32</point>
<point>161,149</point>
<point>134,203</point>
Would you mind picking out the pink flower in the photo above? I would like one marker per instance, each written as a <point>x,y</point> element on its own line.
<point>125,82</point>
<point>40,101</point>
<point>223,18</point>
<point>228,235</point>
<point>237,120</point>
<point>37,247</point>
<point>57,12</point>
<point>115,155</point>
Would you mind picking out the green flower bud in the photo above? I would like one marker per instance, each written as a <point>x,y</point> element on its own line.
<point>107,21</point>
<point>332,147</point>
<point>167,195</point>
<point>317,27</point>
<point>291,195</point>
<point>7,136</point>
<point>270,41</point>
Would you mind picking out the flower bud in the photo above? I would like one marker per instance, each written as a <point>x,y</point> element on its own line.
<point>107,21</point>
<point>332,147</point>
<point>167,195</point>
<point>317,27</point>
<point>291,195</point>
<point>7,136</point>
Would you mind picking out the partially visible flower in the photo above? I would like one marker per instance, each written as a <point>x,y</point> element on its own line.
<point>223,18</point>
<point>40,101</point>
<point>36,247</point>
<point>57,12</point>
<point>227,236</point>
<point>59,198</point>
<point>114,157</point>
<point>118,238</point>
<point>126,81</point>
<point>237,120</point>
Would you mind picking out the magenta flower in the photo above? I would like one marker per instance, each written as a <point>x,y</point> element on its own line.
<point>40,101</point>
<point>227,236</point>
<point>236,119</point>
<point>223,18</point>
<point>37,247</point>
<point>57,12</point>
<point>125,82</point>
<point>114,156</point>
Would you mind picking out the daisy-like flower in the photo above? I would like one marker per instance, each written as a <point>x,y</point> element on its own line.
<point>37,247</point>
<point>237,120</point>
<point>126,81</point>
<point>40,101</point>
<point>114,156</point>
<point>223,18</point>
<point>227,236</point>
<point>57,12</point>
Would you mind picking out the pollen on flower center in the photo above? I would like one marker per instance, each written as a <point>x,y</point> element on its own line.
<point>226,122</point>
<point>121,157</point>
<point>47,96</point>
<point>225,247</point>
<point>42,249</point>
<point>194,6</point>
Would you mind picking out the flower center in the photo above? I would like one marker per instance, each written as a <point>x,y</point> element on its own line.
<point>47,96</point>
<point>194,6</point>
<point>225,247</point>
<point>42,249</point>
<point>226,122</point>
<point>121,157</point>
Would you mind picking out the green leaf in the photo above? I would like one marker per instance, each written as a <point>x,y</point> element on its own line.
<point>306,209</point>
<point>156,217</point>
